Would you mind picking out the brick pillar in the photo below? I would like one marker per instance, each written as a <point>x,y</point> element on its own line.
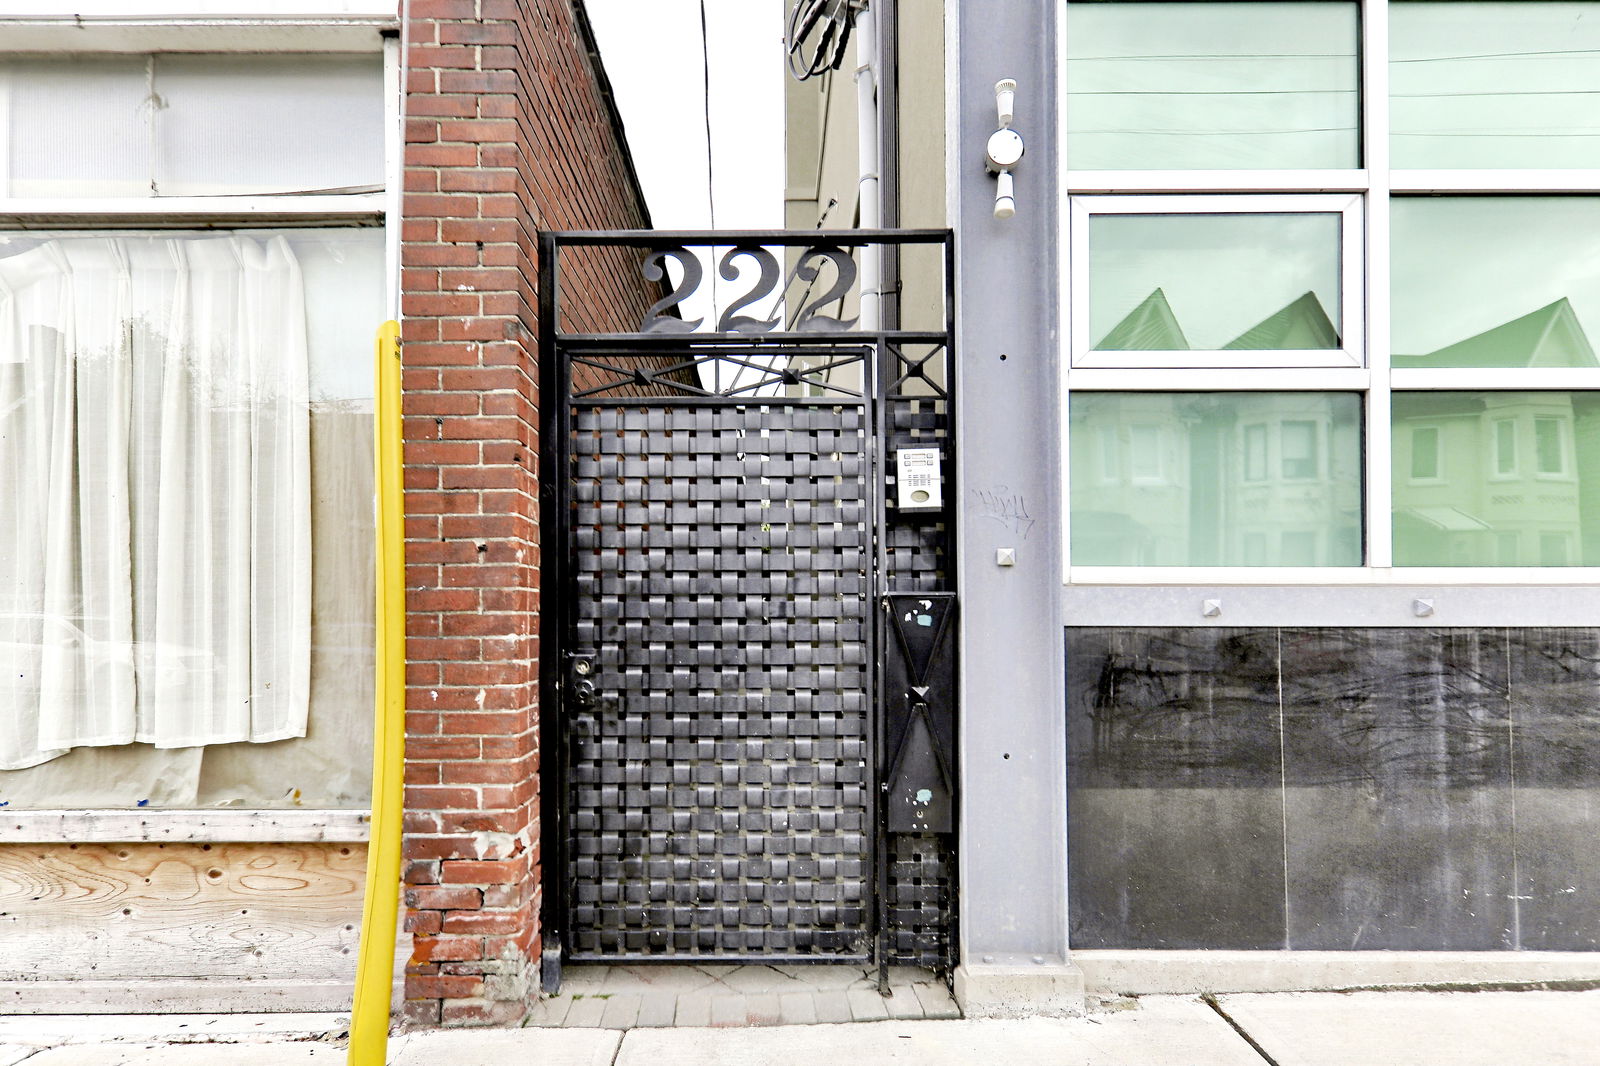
<point>508,131</point>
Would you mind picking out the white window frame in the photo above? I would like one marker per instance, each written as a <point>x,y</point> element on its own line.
<point>1376,593</point>
<point>287,35</point>
<point>1351,303</point>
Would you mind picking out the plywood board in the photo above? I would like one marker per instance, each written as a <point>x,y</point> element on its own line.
<point>187,995</point>
<point>265,912</point>
<point>117,826</point>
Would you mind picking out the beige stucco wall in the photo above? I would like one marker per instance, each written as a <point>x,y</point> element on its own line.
<point>822,172</point>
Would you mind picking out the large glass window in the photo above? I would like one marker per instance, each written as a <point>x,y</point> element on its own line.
<point>1497,281</point>
<point>185,429</point>
<point>1214,281</point>
<point>185,426</point>
<point>1217,479</point>
<point>1224,281</point>
<point>1375,257</point>
<point>190,125</point>
<point>1211,86</point>
<point>1480,508</point>
<point>1507,84</point>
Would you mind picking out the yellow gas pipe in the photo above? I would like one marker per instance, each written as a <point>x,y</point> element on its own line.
<point>369,1020</point>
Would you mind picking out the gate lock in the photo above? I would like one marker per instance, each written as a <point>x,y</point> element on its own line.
<point>919,674</point>
<point>580,679</point>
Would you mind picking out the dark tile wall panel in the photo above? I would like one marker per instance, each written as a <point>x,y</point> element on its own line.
<point>1173,795</point>
<point>1165,708</point>
<point>1398,808</point>
<point>1555,703</point>
<point>1414,788</point>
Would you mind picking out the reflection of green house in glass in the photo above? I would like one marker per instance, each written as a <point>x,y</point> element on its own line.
<point>1216,479</point>
<point>1499,478</point>
<point>1301,325</point>
<point>1150,327</point>
<point>1550,336</point>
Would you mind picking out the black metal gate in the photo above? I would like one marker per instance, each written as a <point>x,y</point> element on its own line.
<point>715,766</point>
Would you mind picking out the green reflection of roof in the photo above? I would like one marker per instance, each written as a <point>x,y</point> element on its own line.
<point>1149,327</point>
<point>1301,325</point>
<point>1550,336</point>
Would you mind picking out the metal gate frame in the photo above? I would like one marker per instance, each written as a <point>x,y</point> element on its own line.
<point>891,371</point>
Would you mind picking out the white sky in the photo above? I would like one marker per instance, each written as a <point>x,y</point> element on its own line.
<point>652,54</point>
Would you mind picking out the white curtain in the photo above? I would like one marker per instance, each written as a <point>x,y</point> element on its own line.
<point>155,531</point>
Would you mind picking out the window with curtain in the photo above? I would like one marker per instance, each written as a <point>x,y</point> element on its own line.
<point>192,270</point>
<point>154,445</point>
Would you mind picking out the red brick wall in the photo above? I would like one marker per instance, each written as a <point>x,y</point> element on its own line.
<point>506,134</point>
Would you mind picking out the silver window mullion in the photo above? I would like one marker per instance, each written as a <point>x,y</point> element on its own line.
<point>1375,155</point>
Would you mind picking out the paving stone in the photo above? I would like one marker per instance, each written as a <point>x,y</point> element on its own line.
<point>866,1005</point>
<point>718,970</point>
<point>581,977</point>
<point>585,1012</point>
<point>622,1011</point>
<point>903,1003</point>
<point>1186,1034</point>
<point>824,977</point>
<point>763,1009</point>
<point>657,1008</point>
<point>756,979</point>
<point>1423,1028</point>
<point>675,979</point>
<point>694,1010</point>
<point>936,1000</point>
<point>549,1011</point>
<point>727,1008</point>
<point>627,996</point>
<point>833,1006</point>
<point>798,1008</point>
<point>869,979</point>
<point>496,1047</point>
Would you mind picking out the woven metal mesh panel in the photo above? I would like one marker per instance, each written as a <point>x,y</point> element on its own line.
<point>920,892</point>
<point>718,787</point>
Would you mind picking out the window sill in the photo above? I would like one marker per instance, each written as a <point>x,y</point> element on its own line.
<point>1423,602</point>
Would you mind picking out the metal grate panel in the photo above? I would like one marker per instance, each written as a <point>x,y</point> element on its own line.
<point>919,874</point>
<point>921,868</point>
<point>718,784</point>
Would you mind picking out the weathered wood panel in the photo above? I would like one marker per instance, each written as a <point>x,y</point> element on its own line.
<point>178,995</point>
<point>214,826</point>
<point>270,912</point>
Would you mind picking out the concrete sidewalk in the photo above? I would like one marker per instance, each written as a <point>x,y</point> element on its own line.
<point>1285,1029</point>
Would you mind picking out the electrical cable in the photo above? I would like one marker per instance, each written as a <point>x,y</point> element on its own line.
<point>705,81</point>
<point>711,183</point>
<point>829,51</point>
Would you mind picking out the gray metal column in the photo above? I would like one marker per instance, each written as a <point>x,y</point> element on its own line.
<point>1013,737</point>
